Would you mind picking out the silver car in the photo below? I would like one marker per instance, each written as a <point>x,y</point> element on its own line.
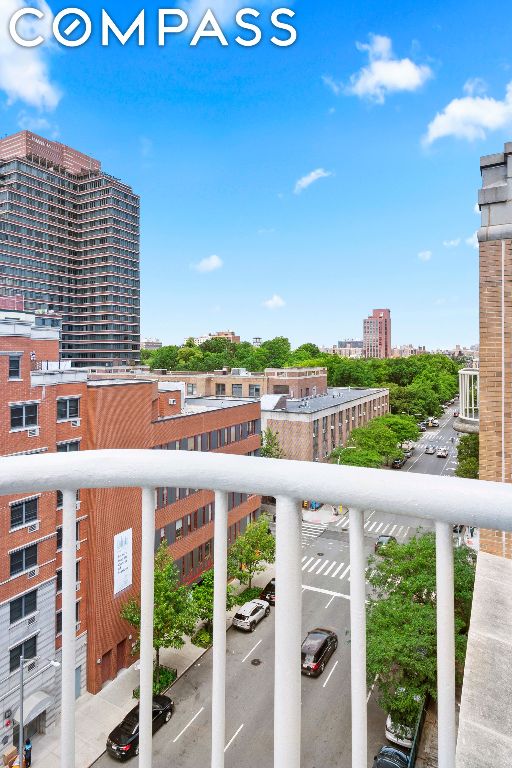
<point>250,614</point>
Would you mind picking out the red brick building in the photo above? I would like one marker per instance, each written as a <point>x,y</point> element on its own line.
<point>377,334</point>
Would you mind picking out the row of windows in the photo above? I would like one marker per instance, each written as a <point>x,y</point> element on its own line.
<point>24,559</point>
<point>217,438</point>
<point>27,415</point>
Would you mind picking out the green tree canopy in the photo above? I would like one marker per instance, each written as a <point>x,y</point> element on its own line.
<point>468,457</point>
<point>251,551</point>
<point>356,457</point>
<point>403,427</point>
<point>270,447</point>
<point>203,598</point>
<point>376,436</point>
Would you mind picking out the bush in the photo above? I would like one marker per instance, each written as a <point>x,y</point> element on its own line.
<point>251,593</point>
<point>166,677</point>
<point>203,638</point>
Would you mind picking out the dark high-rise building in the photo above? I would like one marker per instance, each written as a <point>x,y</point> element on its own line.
<point>69,243</point>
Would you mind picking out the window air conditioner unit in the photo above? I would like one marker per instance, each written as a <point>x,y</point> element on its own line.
<point>75,423</point>
<point>172,401</point>
<point>78,504</point>
<point>33,572</point>
<point>33,432</point>
<point>77,546</point>
<point>33,527</point>
<point>77,626</point>
<point>31,667</point>
<point>78,585</point>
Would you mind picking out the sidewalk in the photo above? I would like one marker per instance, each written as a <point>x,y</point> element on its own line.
<point>96,715</point>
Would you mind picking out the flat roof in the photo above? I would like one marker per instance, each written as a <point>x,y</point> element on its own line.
<point>198,404</point>
<point>116,382</point>
<point>334,396</point>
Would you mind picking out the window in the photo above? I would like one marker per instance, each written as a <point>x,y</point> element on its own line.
<point>23,512</point>
<point>179,529</point>
<point>23,606</point>
<point>68,408</point>
<point>73,445</point>
<point>191,389</point>
<point>58,585</point>
<point>59,535</point>
<point>27,649</point>
<point>14,367</point>
<point>237,390</point>
<point>23,559</point>
<point>254,390</point>
<point>59,500</point>
<point>220,390</point>
<point>58,623</point>
<point>23,416</point>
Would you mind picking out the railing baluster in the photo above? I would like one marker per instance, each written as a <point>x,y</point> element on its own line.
<point>358,638</point>
<point>220,545</point>
<point>445,646</point>
<point>67,758</point>
<point>288,633</point>
<point>147,591</point>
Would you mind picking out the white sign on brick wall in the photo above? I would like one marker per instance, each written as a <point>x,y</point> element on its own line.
<point>122,560</point>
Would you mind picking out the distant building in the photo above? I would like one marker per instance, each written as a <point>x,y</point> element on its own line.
<point>309,429</point>
<point>229,335</point>
<point>150,344</point>
<point>351,344</point>
<point>408,350</point>
<point>377,334</point>
<point>256,342</point>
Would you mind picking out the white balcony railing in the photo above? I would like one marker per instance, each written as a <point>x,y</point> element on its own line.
<point>469,391</point>
<point>445,500</point>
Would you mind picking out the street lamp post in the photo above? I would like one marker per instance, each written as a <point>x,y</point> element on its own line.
<point>23,661</point>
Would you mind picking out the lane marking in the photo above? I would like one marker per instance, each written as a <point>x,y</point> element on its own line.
<point>385,529</point>
<point>308,562</point>
<point>330,567</point>
<point>233,738</point>
<point>347,569</point>
<point>324,591</point>
<point>391,531</point>
<point>314,565</point>
<point>372,526</point>
<point>330,673</point>
<point>322,567</point>
<point>400,530</point>
<point>371,689</point>
<point>251,651</point>
<point>337,570</point>
<point>330,601</point>
<point>305,556</point>
<point>378,527</point>
<point>187,726</point>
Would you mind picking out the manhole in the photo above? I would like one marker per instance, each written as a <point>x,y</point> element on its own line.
<point>320,554</point>
<point>256,662</point>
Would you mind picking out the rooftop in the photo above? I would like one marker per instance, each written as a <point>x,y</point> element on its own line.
<point>338,396</point>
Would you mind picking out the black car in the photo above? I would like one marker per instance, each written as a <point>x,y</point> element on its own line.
<point>382,541</point>
<point>398,463</point>
<point>123,742</point>
<point>390,757</point>
<point>268,593</point>
<point>316,650</point>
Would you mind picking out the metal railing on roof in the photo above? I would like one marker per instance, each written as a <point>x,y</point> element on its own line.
<point>444,500</point>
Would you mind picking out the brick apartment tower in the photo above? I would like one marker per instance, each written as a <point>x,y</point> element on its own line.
<point>495,238</point>
<point>377,334</point>
<point>69,242</point>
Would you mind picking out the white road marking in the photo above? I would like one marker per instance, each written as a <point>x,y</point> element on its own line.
<point>406,532</point>
<point>314,565</point>
<point>330,673</point>
<point>391,531</point>
<point>347,569</point>
<point>414,462</point>
<point>251,651</point>
<point>337,570</point>
<point>372,526</point>
<point>330,567</point>
<point>233,738</point>
<point>400,530</point>
<point>322,567</point>
<point>379,527</point>
<point>385,529</point>
<point>330,601</point>
<point>371,689</point>
<point>308,562</point>
<point>187,726</point>
<point>304,558</point>
<point>324,591</point>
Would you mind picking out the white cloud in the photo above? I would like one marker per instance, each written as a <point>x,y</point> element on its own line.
<point>209,264</point>
<point>310,178</point>
<point>425,255</point>
<point>384,73</point>
<point>24,72</point>
<point>28,122</point>
<point>276,302</point>
<point>451,243</point>
<point>473,240</point>
<point>477,209</point>
<point>471,117</point>
<point>331,83</point>
<point>475,86</point>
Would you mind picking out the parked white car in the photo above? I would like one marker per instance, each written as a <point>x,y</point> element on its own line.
<point>250,614</point>
<point>399,734</point>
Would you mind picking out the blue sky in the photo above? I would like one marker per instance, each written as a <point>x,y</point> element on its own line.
<point>290,190</point>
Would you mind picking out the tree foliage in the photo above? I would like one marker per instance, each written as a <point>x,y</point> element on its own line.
<point>468,452</point>
<point>174,611</point>
<point>270,447</point>
<point>401,622</point>
<point>356,457</point>
<point>202,596</point>
<point>376,443</point>
<point>251,551</point>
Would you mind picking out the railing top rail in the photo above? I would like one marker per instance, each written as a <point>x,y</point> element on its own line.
<point>448,499</point>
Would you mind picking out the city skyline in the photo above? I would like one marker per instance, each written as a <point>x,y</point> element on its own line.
<point>254,197</point>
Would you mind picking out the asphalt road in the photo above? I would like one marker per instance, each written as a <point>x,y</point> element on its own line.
<point>326,728</point>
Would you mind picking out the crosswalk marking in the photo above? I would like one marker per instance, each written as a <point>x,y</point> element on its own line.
<point>314,565</point>
<point>400,530</point>
<point>306,564</point>
<point>385,529</point>
<point>337,570</point>
<point>330,567</point>
<point>304,558</point>
<point>321,567</point>
<point>311,531</point>
<point>379,527</point>
<point>392,530</point>
<point>347,569</point>
<point>372,526</point>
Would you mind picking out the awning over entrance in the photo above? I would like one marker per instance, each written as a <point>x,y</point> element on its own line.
<point>33,705</point>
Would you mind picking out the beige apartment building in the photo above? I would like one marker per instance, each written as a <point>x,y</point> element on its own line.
<point>495,238</point>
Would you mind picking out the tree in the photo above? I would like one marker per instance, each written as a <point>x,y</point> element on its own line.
<point>403,427</point>
<point>401,622</point>
<point>376,437</point>
<point>270,447</point>
<point>468,452</point>
<point>174,612</point>
<point>278,351</point>
<point>203,598</point>
<point>165,357</point>
<point>356,457</point>
<point>251,551</point>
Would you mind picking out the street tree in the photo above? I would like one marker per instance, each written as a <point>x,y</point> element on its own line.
<point>356,457</point>
<point>468,457</point>
<point>377,437</point>
<point>175,613</point>
<point>404,427</point>
<point>270,447</point>
<point>203,598</point>
<point>401,622</point>
<point>251,551</point>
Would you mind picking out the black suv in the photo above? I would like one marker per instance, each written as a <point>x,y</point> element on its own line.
<point>317,649</point>
<point>268,593</point>
<point>123,741</point>
<point>390,757</point>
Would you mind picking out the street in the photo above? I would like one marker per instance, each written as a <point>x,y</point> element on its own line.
<point>326,728</point>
